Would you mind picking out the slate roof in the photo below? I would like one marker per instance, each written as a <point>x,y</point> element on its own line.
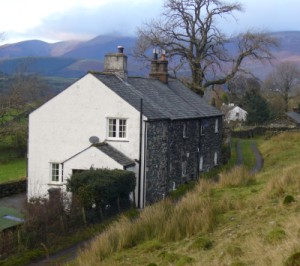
<point>294,116</point>
<point>110,151</point>
<point>114,154</point>
<point>160,101</point>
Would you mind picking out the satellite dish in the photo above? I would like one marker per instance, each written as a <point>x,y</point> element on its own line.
<point>94,140</point>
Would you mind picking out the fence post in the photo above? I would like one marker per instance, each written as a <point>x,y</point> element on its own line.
<point>19,240</point>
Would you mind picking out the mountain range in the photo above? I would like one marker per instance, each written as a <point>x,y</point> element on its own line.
<point>72,59</point>
<point>69,59</point>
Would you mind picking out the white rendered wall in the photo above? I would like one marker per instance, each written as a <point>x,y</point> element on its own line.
<point>232,114</point>
<point>62,127</point>
<point>91,157</point>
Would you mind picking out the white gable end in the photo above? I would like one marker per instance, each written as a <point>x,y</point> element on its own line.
<point>62,127</point>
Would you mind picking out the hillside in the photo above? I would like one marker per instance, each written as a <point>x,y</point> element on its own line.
<point>242,220</point>
<point>92,51</point>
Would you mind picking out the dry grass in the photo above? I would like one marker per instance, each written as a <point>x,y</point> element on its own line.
<point>236,177</point>
<point>242,218</point>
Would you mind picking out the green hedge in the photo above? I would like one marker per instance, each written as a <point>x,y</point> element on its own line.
<point>101,187</point>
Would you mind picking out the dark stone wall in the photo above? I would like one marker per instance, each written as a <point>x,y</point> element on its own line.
<point>211,142</point>
<point>173,151</point>
<point>11,188</point>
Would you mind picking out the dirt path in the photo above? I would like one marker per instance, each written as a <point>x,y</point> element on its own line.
<point>15,201</point>
<point>63,256</point>
<point>258,158</point>
<point>239,154</point>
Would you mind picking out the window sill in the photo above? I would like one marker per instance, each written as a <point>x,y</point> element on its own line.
<point>58,184</point>
<point>117,140</point>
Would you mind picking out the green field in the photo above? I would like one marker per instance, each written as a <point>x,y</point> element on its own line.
<point>12,165</point>
<point>13,170</point>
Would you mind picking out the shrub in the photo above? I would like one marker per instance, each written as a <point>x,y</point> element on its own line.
<point>101,187</point>
<point>293,260</point>
<point>202,243</point>
<point>275,236</point>
<point>288,199</point>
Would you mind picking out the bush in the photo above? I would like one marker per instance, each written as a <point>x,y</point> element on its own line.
<point>275,236</point>
<point>288,199</point>
<point>202,243</point>
<point>101,188</point>
<point>293,260</point>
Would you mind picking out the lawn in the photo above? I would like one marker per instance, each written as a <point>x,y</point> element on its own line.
<point>13,170</point>
<point>12,166</point>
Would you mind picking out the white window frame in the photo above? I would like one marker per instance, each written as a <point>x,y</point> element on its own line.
<point>216,158</point>
<point>55,172</point>
<point>201,163</point>
<point>184,132</point>
<point>216,125</point>
<point>118,125</point>
<point>201,129</point>
<point>183,168</point>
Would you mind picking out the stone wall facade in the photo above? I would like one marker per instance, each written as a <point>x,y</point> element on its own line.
<point>11,188</point>
<point>178,151</point>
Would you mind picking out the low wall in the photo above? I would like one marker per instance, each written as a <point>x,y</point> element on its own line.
<point>258,131</point>
<point>11,188</point>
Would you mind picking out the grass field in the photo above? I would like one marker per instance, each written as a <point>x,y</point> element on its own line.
<point>13,170</point>
<point>12,166</point>
<point>244,219</point>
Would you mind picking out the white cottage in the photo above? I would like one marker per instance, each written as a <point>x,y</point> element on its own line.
<point>235,113</point>
<point>153,126</point>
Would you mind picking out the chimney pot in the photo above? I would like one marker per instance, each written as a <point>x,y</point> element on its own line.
<point>155,54</point>
<point>120,49</point>
<point>159,68</point>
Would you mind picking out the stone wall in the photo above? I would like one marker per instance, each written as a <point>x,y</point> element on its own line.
<point>173,152</point>
<point>11,188</point>
<point>259,131</point>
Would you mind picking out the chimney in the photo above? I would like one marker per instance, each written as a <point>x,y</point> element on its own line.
<point>116,63</point>
<point>159,67</point>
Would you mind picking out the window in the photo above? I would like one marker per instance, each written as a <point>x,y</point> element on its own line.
<point>117,128</point>
<point>202,130</point>
<point>216,158</point>
<point>201,163</point>
<point>162,174</point>
<point>183,168</point>
<point>216,125</point>
<point>184,131</point>
<point>55,172</point>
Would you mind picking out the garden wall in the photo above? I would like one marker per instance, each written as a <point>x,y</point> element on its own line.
<point>11,188</point>
<point>258,131</point>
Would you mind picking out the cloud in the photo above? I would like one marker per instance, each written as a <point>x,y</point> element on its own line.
<point>122,17</point>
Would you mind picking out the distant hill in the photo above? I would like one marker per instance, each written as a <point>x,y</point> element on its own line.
<point>72,59</point>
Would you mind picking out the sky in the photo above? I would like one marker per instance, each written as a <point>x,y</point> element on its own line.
<point>60,20</point>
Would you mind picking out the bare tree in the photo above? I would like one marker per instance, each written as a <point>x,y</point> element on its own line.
<point>187,31</point>
<point>284,78</point>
